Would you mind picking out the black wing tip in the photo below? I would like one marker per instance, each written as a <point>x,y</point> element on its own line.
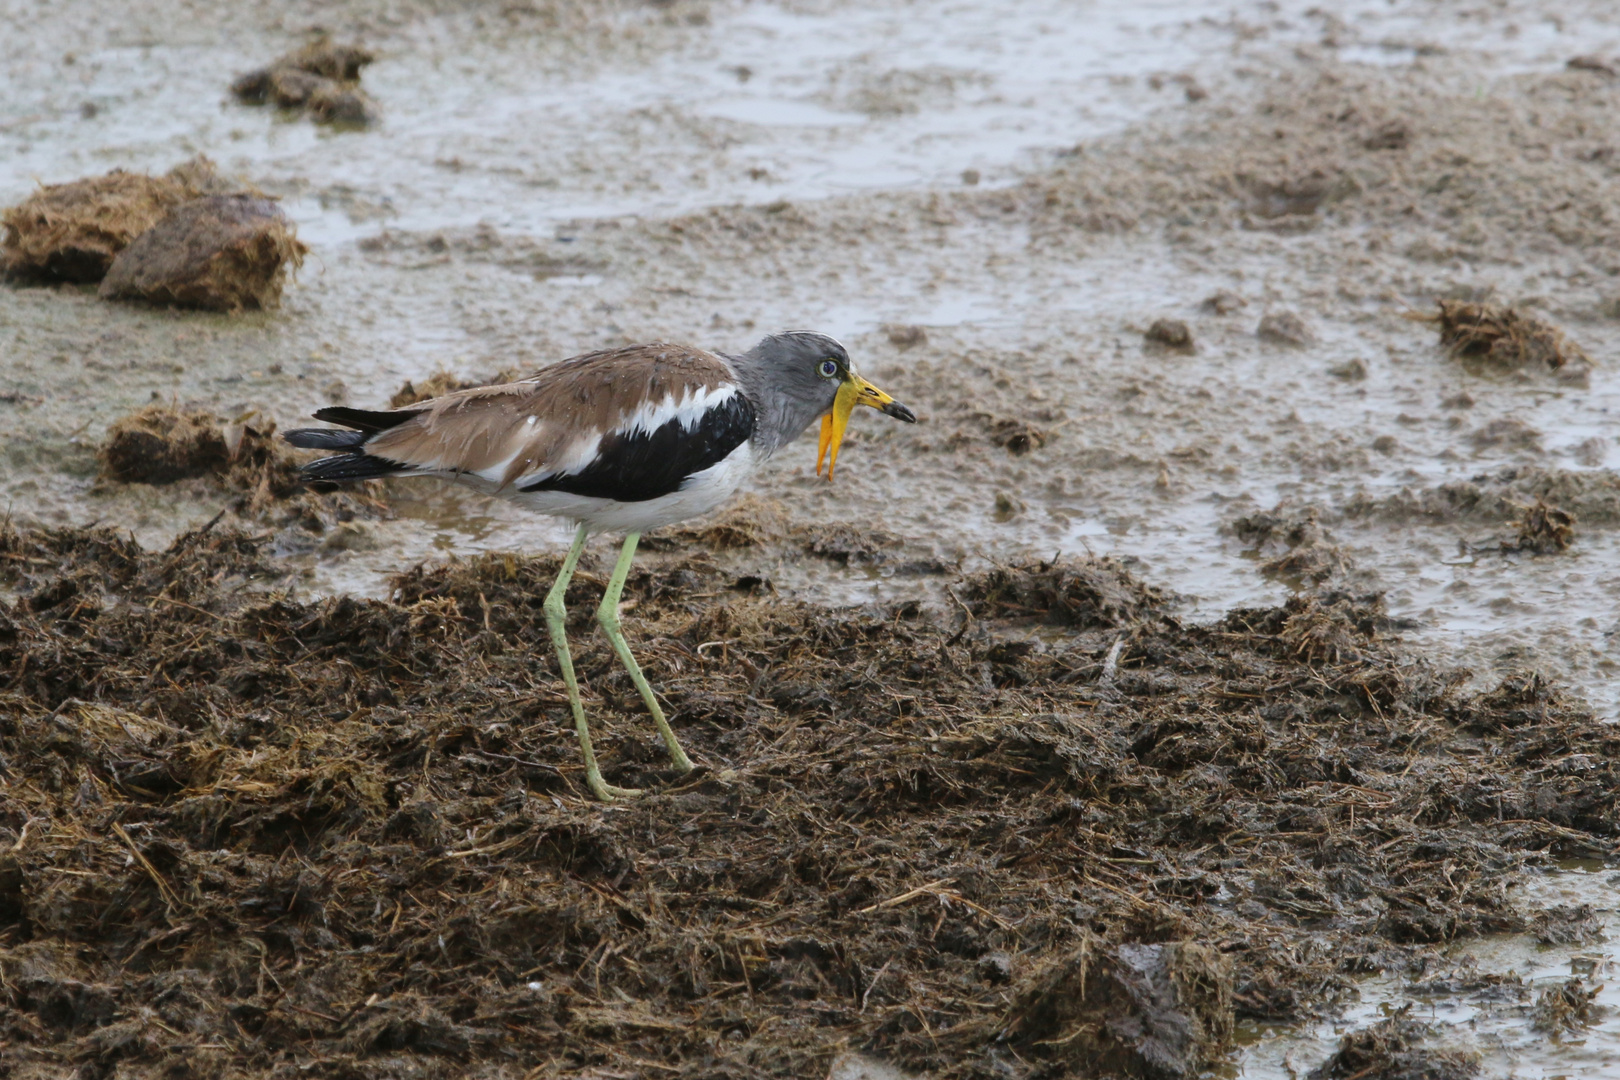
<point>325,438</point>
<point>344,468</point>
<point>367,420</point>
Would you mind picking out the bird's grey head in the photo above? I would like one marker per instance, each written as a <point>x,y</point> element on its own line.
<point>795,377</point>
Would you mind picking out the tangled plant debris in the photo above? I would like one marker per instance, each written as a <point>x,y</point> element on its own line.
<point>1160,1010</point>
<point>246,833</point>
<point>1394,1049</point>
<point>1506,337</point>
<point>1542,530</point>
<point>160,445</point>
<point>1285,328</point>
<point>1567,1008</point>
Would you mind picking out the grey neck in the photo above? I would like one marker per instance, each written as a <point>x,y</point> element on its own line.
<point>780,415</point>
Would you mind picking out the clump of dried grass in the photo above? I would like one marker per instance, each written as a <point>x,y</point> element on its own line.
<point>1505,336</point>
<point>74,231</point>
<point>165,444</point>
<point>1542,530</point>
<point>161,444</point>
<point>1567,1008</point>
<point>321,76</point>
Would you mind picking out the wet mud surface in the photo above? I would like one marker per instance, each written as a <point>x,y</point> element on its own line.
<point>253,834</point>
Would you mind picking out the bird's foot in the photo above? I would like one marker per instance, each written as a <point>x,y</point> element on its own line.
<point>609,792</point>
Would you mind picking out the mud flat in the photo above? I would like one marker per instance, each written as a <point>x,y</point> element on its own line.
<point>254,834</point>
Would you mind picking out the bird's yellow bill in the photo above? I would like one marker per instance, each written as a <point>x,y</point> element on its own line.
<point>854,391</point>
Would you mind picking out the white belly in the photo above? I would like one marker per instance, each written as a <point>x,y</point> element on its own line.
<point>702,492</point>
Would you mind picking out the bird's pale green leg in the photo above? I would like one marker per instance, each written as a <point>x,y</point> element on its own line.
<point>608,616</point>
<point>556,623</point>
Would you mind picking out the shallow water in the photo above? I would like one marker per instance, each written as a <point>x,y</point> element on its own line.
<point>761,101</point>
<point>1488,1021</point>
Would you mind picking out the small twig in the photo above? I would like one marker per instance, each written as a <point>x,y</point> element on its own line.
<point>873,984</point>
<point>23,835</point>
<point>1137,900</point>
<point>491,849</point>
<point>190,607</point>
<point>308,1012</point>
<point>967,618</point>
<point>903,897</point>
<point>168,894</point>
<point>1111,662</point>
<point>516,760</point>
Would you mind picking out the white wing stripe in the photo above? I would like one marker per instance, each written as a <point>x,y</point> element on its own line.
<point>652,415</point>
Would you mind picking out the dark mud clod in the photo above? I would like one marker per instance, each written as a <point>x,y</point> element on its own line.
<point>1171,334</point>
<point>1285,328</point>
<point>1506,431</point>
<point>905,336</point>
<point>1016,435</point>
<point>1161,1012</point>
<point>1309,555</point>
<point>220,253</point>
<point>1508,338</point>
<point>1223,302</point>
<point>160,445</point>
<point>1296,196</point>
<point>1390,135</point>
<point>1597,64</point>
<point>1078,592</point>
<point>322,77</point>
<point>74,231</point>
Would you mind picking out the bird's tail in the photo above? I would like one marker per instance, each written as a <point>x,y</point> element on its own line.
<point>354,463</point>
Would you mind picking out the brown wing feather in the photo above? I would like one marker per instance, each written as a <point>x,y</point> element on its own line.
<point>572,404</point>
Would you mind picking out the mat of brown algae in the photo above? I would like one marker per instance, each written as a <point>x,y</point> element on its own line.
<point>245,834</point>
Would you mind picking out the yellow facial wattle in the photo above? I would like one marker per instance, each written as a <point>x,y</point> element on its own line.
<point>834,423</point>
<point>854,391</point>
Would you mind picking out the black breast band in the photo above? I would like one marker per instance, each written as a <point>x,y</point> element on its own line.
<point>635,467</point>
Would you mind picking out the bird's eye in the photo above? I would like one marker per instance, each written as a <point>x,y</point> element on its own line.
<point>829,368</point>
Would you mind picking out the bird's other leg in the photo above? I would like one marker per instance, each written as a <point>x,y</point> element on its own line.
<point>556,623</point>
<point>608,616</point>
